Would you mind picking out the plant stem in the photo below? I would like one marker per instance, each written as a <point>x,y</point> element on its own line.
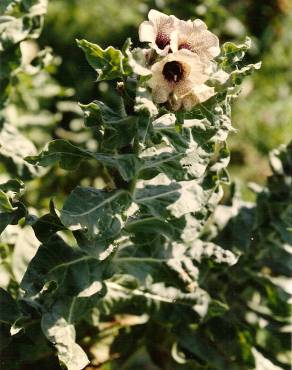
<point>132,186</point>
<point>122,107</point>
<point>136,150</point>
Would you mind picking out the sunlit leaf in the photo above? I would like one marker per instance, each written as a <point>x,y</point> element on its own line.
<point>108,62</point>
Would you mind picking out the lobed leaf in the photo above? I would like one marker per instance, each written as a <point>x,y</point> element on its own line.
<point>175,198</point>
<point>58,327</point>
<point>96,211</point>
<point>73,272</point>
<point>67,155</point>
<point>108,63</point>
<point>5,205</point>
<point>70,156</point>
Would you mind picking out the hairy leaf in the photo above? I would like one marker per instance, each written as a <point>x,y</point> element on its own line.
<point>74,272</point>
<point>175,198</point>
<point>58,327</point>
<point>69,157</point>
<point>96,211</point>
<point>108,63</point>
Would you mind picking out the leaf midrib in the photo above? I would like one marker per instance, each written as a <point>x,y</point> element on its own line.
<point>109,199</point>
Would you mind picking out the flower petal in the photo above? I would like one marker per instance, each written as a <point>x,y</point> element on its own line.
<point>195,36</point>
<point>146,32</point>
<point>190,84</point>
<point>156,17</point>
<point>160,87</point>
<point>161,91</point>
<point>157,31</point>
<point>199,24</point>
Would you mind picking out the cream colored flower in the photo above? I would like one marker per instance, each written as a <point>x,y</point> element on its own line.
<point>157,31</point>
<point>194,36</point>
<point>179,79</point>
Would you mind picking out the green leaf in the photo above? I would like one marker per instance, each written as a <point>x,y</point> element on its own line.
<point>128,165</point>
<point>233,53</point>
<point>12,186</point>
<point>118,293</point>
<point>13,148</point>
<point>25,248</point>
<point>238,75</point>
<point>135,60</point>
<point>12,217</point>
<point>203,348</point>
<point>19,22</point>
<point>10,210</point>
<point>108,63</point>
<point>114,131</point>
<point>9,310</point>
<point>176,198</point>
<point>69,157</point>
<point>96,211</point>
<point>57,325</point>
<point>176,165</point>
<point>28,346</point>
<point>4,6</point>
<point>74,272</point>
<point>216,308</point>
<point>280,160</point>
<point>99,249</point>
<point>97,113</point>
<point>119,134</point>
<point>47,225</point>
<point>123,291</point>
<point>148,226</point>
<point>5,205</point>
<point>13,31</point>
<point>207,250</point>
<point>263,363</point>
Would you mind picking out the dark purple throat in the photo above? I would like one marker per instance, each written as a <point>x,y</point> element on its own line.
<point>173,71</point>
<point>162,40</point>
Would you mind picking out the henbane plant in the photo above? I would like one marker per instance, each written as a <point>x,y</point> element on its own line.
<point>125,265</point>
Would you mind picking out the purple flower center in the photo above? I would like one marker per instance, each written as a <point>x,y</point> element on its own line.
<point>162,40</point>
<point>185,45</point>
<point>173,71</point>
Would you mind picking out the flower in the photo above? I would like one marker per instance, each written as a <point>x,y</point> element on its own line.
<point>157,31</point>
<point>194,36</point>
<point>179,79</point>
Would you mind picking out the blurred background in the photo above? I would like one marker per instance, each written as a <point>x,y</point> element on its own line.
<point>262,114</point>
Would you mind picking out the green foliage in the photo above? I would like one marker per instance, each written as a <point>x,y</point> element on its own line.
<point>144,263</point>
<point>9,309</point>
<point>95,211</point>
<point>108,63</point>
<point>11,209</point>
<point>19,22</point>
<point>69,157</point>
<point>260,281</point>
